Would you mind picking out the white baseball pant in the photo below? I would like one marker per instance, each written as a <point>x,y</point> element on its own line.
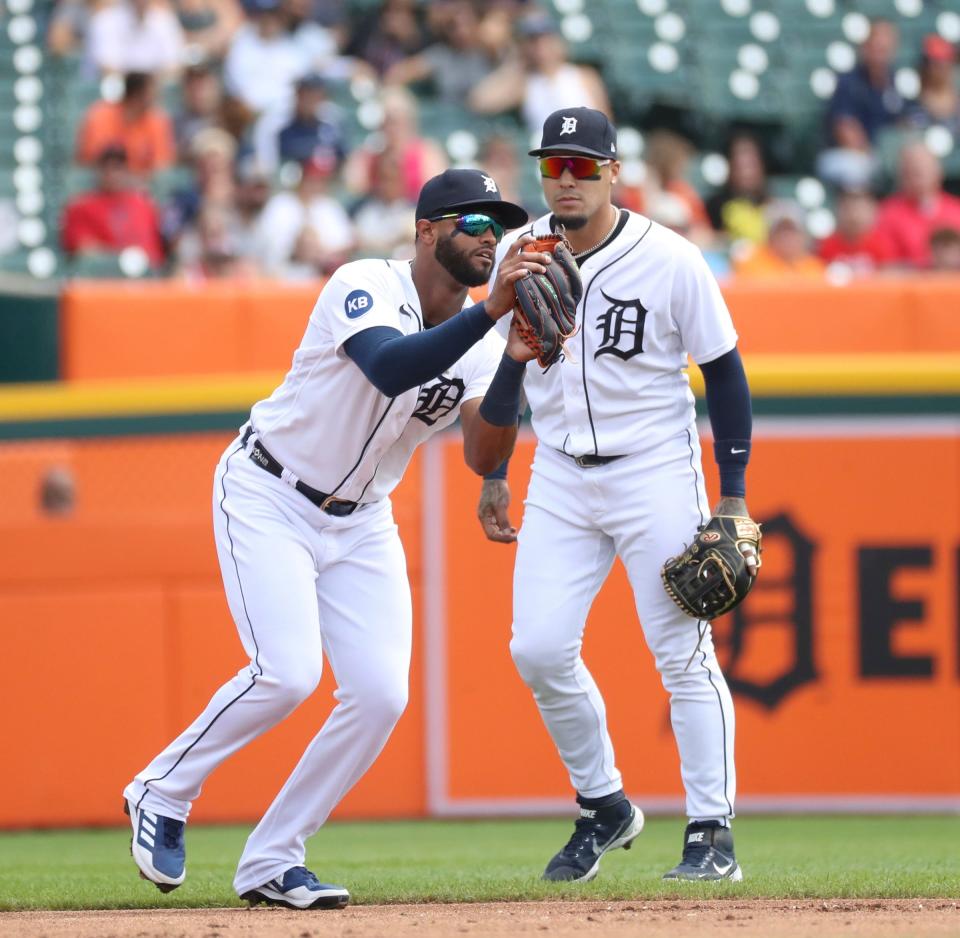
<point>643,508</point>
<point>300,584</point>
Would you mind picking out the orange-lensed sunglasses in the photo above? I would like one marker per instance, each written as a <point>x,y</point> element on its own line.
<point>582,167</point>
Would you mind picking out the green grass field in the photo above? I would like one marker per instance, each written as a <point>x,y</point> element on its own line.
<point>454,861</point>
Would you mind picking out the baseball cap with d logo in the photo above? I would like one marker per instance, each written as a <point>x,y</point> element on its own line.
<point>578,130</point>
<point>467,190</point>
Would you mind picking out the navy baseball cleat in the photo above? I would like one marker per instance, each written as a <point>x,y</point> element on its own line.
<point>707,854</point>
<point>595,833</point>
<point>298,888</point>
<point>157,847</point>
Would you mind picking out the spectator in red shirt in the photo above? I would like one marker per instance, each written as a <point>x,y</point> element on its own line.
<point>857,243</point>
<point>114,215</point>
<point>918,207</point>
<point>135,123</point>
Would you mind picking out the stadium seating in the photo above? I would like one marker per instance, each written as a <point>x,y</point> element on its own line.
<point>702,66</point>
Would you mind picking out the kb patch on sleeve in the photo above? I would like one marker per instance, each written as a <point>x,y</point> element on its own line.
<point>357,303</point>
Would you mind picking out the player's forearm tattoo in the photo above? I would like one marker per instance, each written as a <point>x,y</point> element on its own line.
<point>493,494</point>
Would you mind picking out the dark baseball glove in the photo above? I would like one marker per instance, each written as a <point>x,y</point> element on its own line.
<point>546,310</point>
<point>711,576</point>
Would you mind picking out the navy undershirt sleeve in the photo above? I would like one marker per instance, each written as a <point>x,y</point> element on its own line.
<point>394,362</point>
<point>501,403</point>
<point>500,472</point>
<point>731,418</point>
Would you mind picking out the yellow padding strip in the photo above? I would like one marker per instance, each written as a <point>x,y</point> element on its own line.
<point>770,375</point>
<point>829,375</point>
<point>61,400</point>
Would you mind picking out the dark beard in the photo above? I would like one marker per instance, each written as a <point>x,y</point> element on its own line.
<point>570,222</point>
<point>458,264</point>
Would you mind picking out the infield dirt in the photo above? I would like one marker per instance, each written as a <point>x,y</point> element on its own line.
<point>916,918</point>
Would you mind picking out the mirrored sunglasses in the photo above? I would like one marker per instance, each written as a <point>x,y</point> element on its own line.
<point>474,224</point>
<point>582,167</point>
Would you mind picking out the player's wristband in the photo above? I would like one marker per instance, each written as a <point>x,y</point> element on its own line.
<point>501,403</point>
<point>500,473</point>
<point>728,404</point>
<point>732,457</point>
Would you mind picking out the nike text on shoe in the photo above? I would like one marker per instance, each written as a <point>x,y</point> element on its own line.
<point>595,832</point>
<point>157,847</point>
<point>707,854</point>
<point>298,888</point>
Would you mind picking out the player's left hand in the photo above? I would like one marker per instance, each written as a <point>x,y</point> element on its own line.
<point>493,511</point>
<point>737,508</point>
<point>717,571</point>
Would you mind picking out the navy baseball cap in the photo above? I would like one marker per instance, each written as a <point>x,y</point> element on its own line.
<point>464,190</point>
<point>578,130</point>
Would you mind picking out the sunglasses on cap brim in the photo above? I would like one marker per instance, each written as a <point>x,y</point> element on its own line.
<point>474,224</point>
<point>581,167</point>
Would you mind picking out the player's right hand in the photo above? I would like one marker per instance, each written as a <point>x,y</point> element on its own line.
<point>492,511</point>
<point>513,267</point>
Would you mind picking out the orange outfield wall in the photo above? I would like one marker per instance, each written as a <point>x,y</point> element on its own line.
<point>844,660</point>
<point>120,330</point>
<point>116,633</point>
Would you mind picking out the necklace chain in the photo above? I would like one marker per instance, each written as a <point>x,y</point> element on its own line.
<point>603,240</point>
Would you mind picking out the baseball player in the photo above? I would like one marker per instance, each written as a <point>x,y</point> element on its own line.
<point>617,473</point>
<point>311,560</point>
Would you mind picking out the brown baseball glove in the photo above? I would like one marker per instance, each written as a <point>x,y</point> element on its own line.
<point>546,308</point>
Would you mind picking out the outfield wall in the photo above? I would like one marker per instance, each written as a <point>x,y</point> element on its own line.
<point>844,661</point>
<point>115,330</point>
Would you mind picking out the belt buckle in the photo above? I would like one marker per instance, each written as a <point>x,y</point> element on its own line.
<point>584,462</point>
<point>332,500</point>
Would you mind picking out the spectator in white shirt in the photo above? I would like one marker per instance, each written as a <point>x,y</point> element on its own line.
<point>264,61</point>
<point>316,42</point>
<point>135,36</point>
<point>305,233</point>
<point>540,79</point>
<point>385,221</point>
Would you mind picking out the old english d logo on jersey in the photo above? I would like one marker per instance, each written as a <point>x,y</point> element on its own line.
<point>621,328</point>
<point>438,398</point>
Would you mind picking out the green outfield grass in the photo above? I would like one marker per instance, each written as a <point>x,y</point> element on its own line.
<point>457,861</point>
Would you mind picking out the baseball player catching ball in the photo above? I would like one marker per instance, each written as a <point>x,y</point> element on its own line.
<point>311,560</point>
<point>617,473</point>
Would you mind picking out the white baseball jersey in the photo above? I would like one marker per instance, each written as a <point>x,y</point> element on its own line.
<point>328,424</point>
<point>303,584</point>
<point>649,300</point>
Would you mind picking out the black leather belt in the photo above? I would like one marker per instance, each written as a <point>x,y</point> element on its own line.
<point>331,504</point>
<point>589,461</point>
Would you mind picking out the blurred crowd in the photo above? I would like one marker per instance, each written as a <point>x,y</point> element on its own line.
<point>274,188</point>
